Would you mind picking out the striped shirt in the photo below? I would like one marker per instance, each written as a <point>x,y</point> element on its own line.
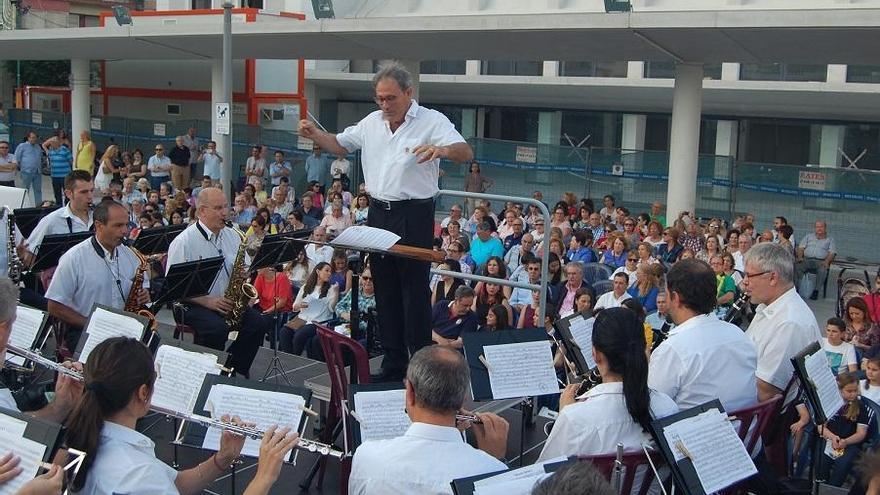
<point>60,161</point>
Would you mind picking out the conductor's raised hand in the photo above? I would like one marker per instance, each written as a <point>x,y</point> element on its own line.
<point>429,152</point>
<point>274,448</point>
<point>491,434</point>
<point>49,483</point>
<point>307,129</point>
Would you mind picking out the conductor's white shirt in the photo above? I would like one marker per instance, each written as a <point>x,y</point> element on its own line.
<point>705,358</point>
<point>391,171</point>
<point>780,330</point>
<point>424,460</point>
<point>197,242</point>
<point>126,463</point>
<point>84,277</point>
<point>60,221</point>
<point>596,424</point>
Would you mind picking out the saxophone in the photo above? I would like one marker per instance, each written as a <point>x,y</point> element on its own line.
<point>15,267</point>
<point>131,303</point>
<point>239,292</point>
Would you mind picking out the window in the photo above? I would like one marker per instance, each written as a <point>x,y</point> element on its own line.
<point>442,67</point>
<point>201,4</point>
<point>666,70</point>
<point>783,72</point>
<point>863,73</point>
<point>592,69</point>
<point>512,68</point>
<point>172,108</point>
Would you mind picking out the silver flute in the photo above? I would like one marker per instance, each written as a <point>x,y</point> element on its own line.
<point>247,431</point>
<point>45,362</point>
<point>468,417</point>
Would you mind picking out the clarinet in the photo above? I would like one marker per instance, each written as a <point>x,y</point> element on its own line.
<point>737,308</point>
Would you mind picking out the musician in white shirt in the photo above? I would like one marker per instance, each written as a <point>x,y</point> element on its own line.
<point>703,358</point>
<point>431,453</point>
<point>119,377</point>
<point>75,217</point>
<point>619,409</point>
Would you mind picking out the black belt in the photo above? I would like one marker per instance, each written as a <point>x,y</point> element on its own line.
<point>393,205</point>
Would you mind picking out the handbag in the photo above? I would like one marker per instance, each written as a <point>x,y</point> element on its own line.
<point>296,323</point>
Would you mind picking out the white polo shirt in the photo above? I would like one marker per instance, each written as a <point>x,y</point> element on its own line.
<point>197,242</point>
<point>84,277</point>
<point>424,461</point>
<point>599,421</point>
<point>57,223</point>
<point>126,463</point>
<point>703,359</point>
<point>780,330</point>
<point>608,300</point>
<point>391,171</point>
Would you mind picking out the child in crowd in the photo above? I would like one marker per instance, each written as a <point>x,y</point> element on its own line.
<point>870,387</point>
<point>841,355</point>
<point>844,432</point>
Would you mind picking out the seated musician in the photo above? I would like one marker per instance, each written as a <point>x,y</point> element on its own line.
<point>98,270</point>
<point>208,238</point>
<point>67,394</point>
<point>619,409</point>
<point>119,378</point>
<point>431,453</point>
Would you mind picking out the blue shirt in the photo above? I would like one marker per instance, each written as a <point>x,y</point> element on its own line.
<point>584,255</point>
<point>275,168</point>
<point>60,161</point>
<point>615,261</point>
<point>448,326</point>
<point>648,301</point>
<point>481,250</point>
<point>29,157</point>
<point>317,169</point>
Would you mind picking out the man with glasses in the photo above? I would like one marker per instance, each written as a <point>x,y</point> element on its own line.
<point>8,165</point>
<point>402,145</point>
<point>455,216</point>
<point>520,298</point>
<point>574,280</point>
<point>159,166</point>
<point>783,324</point>
<point>456,251</point>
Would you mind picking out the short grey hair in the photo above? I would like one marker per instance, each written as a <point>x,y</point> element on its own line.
<point>575,477</point>
<point>464,291</point>
<point>101,214</point>
<point>396,71</point>
<point>771,257</point>
<point>577,265</point>
<point>440,378</point>
<point>8,299</point>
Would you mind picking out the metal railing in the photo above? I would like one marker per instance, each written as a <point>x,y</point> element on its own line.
<point>545,255</point>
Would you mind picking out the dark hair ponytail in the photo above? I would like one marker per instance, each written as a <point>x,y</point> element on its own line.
<point>620,336</point>
<point>114,371</point>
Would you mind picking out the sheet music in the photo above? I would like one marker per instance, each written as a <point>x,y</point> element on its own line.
<point>582,334</point>
<point>31,455</point>
<point>104,325</point>
<point>819,373</point>
<point>179,377</point>
<point>673,433</point>
<point>522,369</point>
<point>382,414</point>
<point>12,426</point>
<point>366,237</point>
<point>527,472</point>
<point>522,486</point>
<point>25,330</point>
<point>263,407</point>
<point>718,455</point>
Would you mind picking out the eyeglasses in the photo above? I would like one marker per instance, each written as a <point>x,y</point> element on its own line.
<point>713,226</point>
<point>384,99</point>
<point>632,259</point>
<point>365,278</point>
<point>533,268</point>
<point>753,275</point>
<point>159,149</point>
<point>629,225</point>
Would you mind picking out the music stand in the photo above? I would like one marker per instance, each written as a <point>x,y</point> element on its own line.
<point>157,239</point>
<point>26,219</point>
<point>53,246</point>
<point>275,249</point>
<point>189,279</point>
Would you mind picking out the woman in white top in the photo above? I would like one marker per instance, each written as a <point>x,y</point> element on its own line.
<point>315,301</point>
<point>119,378</point>
<point>618,410</point>
<point>106,169</point>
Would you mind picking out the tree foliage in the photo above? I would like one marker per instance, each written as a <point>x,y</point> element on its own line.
<point>41,72</point>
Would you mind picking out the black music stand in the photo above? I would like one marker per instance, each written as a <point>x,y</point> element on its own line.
<point>26,219</point>
<point>53,246</point>
<point>157,239</point>
<point>189,279</point>
<point>276,249</point>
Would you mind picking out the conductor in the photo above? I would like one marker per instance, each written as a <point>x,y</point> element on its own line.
<point>402,144</point>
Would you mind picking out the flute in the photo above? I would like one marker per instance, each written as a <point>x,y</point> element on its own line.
<point>247,431</point>
<point>468,417</point>
<point>45,362</point>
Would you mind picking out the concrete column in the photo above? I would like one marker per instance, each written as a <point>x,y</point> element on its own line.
<point>730,71</point>
<point>551,68</point>
<point>549,127</point>
<point>836,74</point>
<point>831,139</point>
<point>472,67</point>
<point>726,145</point>
<point>216,97</point>
<point>635,70</point>
<point>80,114</point>
<point>681,192</point>
<point>468,122</point>
<point>415,69</point>
<point>633,137</point>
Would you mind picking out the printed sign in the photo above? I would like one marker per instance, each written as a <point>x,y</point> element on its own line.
<point>95,123</point>
<point>526,154</point>
<point>811,180</point>
<point>221,118</point>
<point>37,118</point>
<point>158,129</point>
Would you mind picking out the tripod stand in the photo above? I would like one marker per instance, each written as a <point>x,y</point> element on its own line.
<point>276,367</point>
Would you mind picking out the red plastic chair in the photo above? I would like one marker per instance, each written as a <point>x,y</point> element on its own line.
<point>760,415</point>
<point>632,461</point>
<point>337,348</point>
